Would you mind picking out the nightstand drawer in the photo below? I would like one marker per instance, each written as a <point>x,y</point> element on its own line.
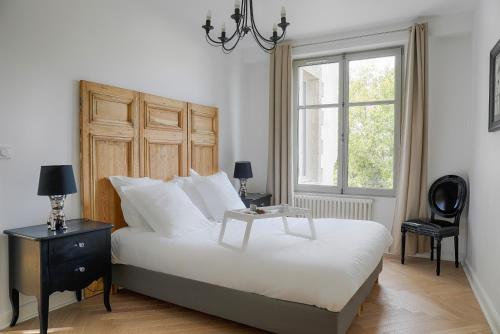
<point>74,275</point>
<point>261,202</point>
<point>259,199</point>
<point>76,247</point>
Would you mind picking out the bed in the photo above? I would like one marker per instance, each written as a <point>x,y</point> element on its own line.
<point>291,276</point>
<point>280,283</point>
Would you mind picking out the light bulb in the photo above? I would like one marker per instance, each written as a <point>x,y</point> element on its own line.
<point>283,11</point>
<point>209,15</point>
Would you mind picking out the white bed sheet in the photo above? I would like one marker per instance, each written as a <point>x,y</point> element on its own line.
<point>325,272</point>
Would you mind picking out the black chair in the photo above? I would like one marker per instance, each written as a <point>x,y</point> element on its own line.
<point>447,197</point>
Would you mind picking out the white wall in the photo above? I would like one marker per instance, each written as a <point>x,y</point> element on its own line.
<point>46,48</point>
<point>450,105</point>
<point>484,228</point>
<point>253,115</point>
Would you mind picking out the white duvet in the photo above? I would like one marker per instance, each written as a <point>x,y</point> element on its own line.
<point>325,272</point>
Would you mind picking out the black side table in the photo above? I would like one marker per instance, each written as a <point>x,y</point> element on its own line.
<point>259,199</point>
<point>42,262</point>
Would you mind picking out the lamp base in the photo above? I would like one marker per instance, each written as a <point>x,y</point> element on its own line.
<point>57,218</point>
<point>243,188</point>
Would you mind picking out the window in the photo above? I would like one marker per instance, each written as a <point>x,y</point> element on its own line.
<point>346,122</point>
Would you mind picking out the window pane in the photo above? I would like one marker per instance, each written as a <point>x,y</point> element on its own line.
<point>372,79</point>
<point>318,146</point>
<point>371,147</point>
<point>319,84</point>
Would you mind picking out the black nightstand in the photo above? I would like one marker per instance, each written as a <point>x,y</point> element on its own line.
<point>259,199</point>
<point>42,262</point>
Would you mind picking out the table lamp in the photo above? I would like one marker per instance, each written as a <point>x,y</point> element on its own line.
<point>243,171</point>
<point>56,182</point>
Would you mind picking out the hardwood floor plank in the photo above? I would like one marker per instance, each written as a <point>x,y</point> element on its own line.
<point>408,299</point>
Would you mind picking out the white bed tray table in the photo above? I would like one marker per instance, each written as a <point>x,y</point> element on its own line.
<point>283,211</point>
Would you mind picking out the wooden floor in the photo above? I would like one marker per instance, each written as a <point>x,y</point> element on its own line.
<point>408,299</point>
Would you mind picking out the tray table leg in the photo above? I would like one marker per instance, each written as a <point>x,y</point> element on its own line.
<point>308,216</point>
<point>285,224</point>
<point>248,229</point>
<point>311,226</point>
<point>223,230</point>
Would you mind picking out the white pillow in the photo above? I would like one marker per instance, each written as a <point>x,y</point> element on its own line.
<point>187,184</point>
<point>131,215</point>
<point>167,209</point>
<point>218,194</point>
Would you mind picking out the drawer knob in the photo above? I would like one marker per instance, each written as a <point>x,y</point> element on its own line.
<point>80,269</point>
<point>80,244</point>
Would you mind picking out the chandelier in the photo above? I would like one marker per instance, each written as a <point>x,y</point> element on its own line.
<point>245,23</point>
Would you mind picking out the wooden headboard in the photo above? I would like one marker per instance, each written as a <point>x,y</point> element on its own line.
<point>129,133</point>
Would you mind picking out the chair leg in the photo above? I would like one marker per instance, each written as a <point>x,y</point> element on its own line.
<point>403,245</point>
<point>438,255</point>
<point>14,300</point>
<point>432,249</point>
<point>456,251</point>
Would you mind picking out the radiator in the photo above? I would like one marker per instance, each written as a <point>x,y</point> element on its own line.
<point>335,207</point>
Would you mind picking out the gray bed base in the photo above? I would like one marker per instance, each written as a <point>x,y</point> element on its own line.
<point>251,309</point>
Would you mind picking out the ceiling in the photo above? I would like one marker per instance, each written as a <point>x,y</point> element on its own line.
<point>320,17</point>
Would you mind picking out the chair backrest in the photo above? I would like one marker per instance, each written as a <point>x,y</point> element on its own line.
<point>447,197</point>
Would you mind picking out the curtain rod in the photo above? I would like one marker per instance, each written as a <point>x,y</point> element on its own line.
<point>351,37</point>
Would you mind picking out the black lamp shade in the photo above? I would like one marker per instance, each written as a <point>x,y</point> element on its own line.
<point>56,180</point>
<point>242,170</point>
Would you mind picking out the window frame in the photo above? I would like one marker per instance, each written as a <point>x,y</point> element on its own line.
<point>343,112</point>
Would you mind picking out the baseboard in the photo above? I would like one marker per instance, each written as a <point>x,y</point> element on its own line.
<point>29,309</point>
<point>491,314</point>
<point>445,256</point>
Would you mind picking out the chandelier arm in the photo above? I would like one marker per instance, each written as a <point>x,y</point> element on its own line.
<point>254,26</point>
<point>280,37</point>
<point>227,38</point>
<point>217,43</point>
<point>221,42</point>
<point>266,48</point>
<point>264,41</point>
<point>229,49</point>
<point>235,31</point>
<point>212,42</point>
<point>239,28</point>
<point>226,51</point>
<point>244,11</point>
<point>242,21</point>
